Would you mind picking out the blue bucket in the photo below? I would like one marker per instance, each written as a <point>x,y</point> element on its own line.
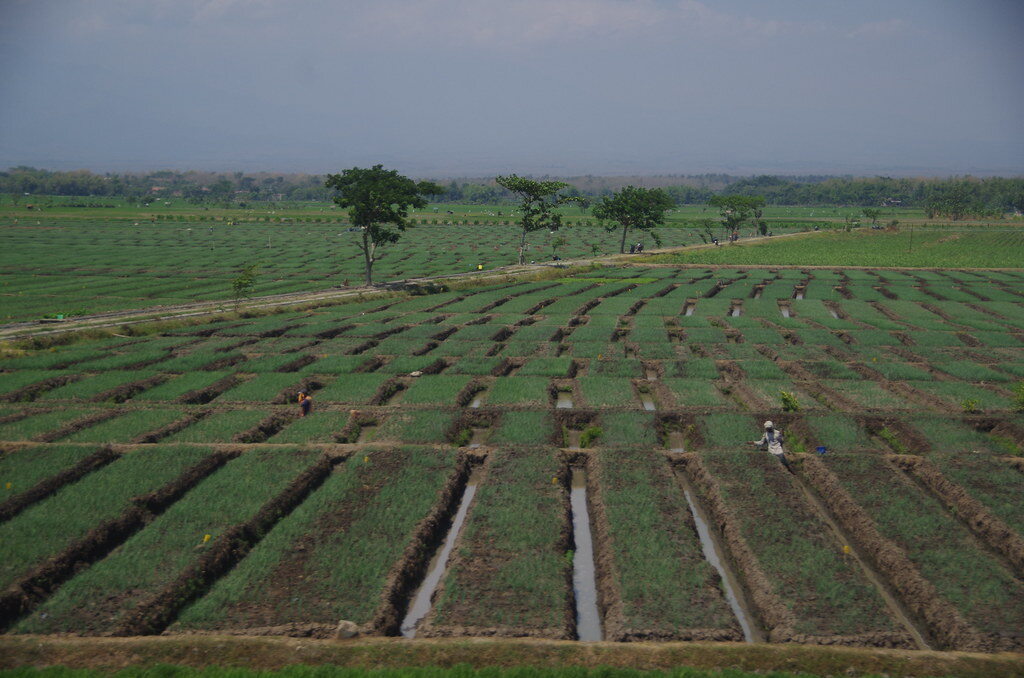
<point>821,449</point>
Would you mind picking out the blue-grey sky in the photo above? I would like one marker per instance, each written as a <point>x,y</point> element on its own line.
<point>472,87</point>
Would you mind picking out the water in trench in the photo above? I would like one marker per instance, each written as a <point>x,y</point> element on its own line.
<point>584,580</point>
<point>477,401</point>
<point>752,631</point>
<point>799,294</point>
<point>676,441</point>
<point>735,311</point>
<point>421,601</point>
<point>834,313</point>
<point>784,310</point>
<point>479,437</point>
<point>689,309</point>
<point>573,439</point>
<point>563,400</point>
<point>757,292</point>
<point>652,375</point>
<point>647,402</point>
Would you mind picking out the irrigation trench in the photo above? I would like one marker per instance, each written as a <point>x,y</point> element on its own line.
<point>162,609</point>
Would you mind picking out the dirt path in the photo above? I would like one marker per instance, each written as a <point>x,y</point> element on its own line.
<point>111,654</point>
<point>37,328</point>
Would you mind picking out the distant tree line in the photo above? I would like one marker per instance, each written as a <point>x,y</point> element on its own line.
<point>953,198</point>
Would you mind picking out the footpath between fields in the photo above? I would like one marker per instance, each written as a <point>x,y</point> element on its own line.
<point>108,654</point>
<point>541,270</point>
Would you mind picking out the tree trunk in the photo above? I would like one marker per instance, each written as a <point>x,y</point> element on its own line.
<point>368,257</point>
<point>622,245</point>
<point>522,249</point>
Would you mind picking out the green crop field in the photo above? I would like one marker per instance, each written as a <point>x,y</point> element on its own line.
<point>161,480</point>
<point>133,257</point>
<point>983,247</point>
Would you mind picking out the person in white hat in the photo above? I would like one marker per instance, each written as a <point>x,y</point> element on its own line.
<point>772,442</point>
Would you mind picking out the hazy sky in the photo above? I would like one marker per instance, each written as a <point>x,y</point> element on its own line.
<point>472,87</point>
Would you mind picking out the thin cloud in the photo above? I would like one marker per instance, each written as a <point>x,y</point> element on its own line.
<point>525,23</point>
<point>879,29</point>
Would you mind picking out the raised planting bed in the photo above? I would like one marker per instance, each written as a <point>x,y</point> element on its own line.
<point>608,392</point>
<point>219,427</point>
<point>694,368</point>
<point>653,578</point>
<point>519,391</point>
<point>28,474</point>
<point>946,435</point>
<point>42,421</point>
<point>435,389</point>
<point>415,426</point>
<point>509,574</point>
<point>352,389</point>
<point>344,553</point>
<point>955,393</point>
<point>803,586</point>
<point>770,391</point>
<point>983,492</point>
<point>177,387</point>
<point>523,428</point>
<point>167,560</point>
<point>266,388</point>
<point>318,427</point>
<point>868,394</point>
<point>695,393</point>
<point>337,364</point>
<point>126,427</point>
<point>76,524</point>
<point>627,429</point>
<point>546,367</point>
<point>92,387</point>
<point>729,431</point>
<point>979,586</point>
<point>25,385</point>
<point>837,433</point>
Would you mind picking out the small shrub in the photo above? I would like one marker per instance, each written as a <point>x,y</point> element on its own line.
<point>463,437</point>
<point>970,406</point>
<point>589,435</point>
<point>789,402</point>
<point>894,442</point>
<point>1018,397</point>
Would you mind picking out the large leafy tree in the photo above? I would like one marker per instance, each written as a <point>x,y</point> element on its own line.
<point>537,203</point>
<point>378,201</point>
<point>634,208</point>
<point>736,209</point>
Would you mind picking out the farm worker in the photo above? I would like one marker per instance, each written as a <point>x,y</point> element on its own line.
<point>772,442</point>
<point>305,403</point>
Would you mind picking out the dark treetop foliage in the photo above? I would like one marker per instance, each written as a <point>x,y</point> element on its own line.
<point>376,199</point>
<point>634,208</point>
<point>537,202</point>
<point>735,209</point>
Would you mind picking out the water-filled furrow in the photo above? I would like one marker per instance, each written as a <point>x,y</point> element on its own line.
<point>752,631</point>
<point>563,401</point>
<point>584,580</point>
<point>422,599</point>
